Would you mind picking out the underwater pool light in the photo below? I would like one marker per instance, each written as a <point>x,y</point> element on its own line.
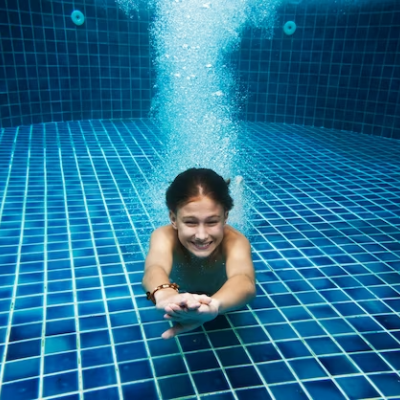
<point>289,28</point>
<point>77,17</point>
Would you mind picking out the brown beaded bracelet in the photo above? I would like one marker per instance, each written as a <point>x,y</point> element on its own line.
<point>150,296</point>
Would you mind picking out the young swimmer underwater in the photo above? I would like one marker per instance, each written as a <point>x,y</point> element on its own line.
<point>198,266</point>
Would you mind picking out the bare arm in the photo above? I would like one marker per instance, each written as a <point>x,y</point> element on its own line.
<point>158,268</point>
<point>159,263</point>
<point>239,288</point>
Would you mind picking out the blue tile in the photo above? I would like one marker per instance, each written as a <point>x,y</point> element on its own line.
<point>296,313</point>
<point>334,295</point>
<point>242,319</point>
<point>310,298</point>
<point>293,349</point>
<point>370,362</point>
<point>336,326</point>
<point>175,387</point>
<point>245,394</point>
<point>130,351</point>
<point>307,368</point>
<point>201,360</point>
<point>60,362</point>
<point>95,307</point>
<point>171,365</point>
<point>21,369</point>
<point>309,328</point>
<point>263,352</point>
<point>251,335</point>
<point>58,384</point>
<point>60,327</point>
<point>30,348</point>
<point>381,341</point>
<point>233,356</point>
<point>57,344</point>
<point>101,376</point>
<point>322,311</point>
<point>357,387</point>
<point>323,346</point>
<point>353,343</point>
<point>134,371</point>
<point>243,377</point>
<point>97,356</point>
<point>388,384</point>
<point>93,339</point>
<point>197,341</point>
<point>27,316</point>
<point>146,390</point>
<point>393,357</point>
<point>390,322</point>
<point>375,307</point>
<point>21,390</point>
<point>92,323</point>
<point>23,332</point>
<point>281,332</point>
<point>123,318</point>
<point>349,309</point>
<point>338,365</point>
<point>222,339</point>
<point>102,394</point>
<point>276,372</point>
<point>270,316</point>
<point>210,381</point>
<point>288,391</point>
<point>324,389</point>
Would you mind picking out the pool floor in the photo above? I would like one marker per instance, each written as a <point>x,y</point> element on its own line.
<point>325,232</point>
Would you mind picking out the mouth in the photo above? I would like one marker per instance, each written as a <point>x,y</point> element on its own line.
<point>202,246</point>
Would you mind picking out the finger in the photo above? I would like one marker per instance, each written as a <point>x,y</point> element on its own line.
<point>179,328</point>
<point>193,305</point>
<point>202,298</point>
<point>174,317</point>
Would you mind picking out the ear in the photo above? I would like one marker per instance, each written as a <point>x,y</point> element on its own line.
<point>226,216</point>
<point>172,218</point>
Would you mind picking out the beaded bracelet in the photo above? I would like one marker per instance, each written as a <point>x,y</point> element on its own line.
<point>150,296</point>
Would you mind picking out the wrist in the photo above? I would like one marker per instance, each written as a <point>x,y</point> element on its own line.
<point>164,286</point>
<point>217,305</point>
<point>164,294</point>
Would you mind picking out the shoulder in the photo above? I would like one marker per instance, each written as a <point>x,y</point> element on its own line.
<point>163,235</point>
<point>161,249</point>
<point>234,239</point>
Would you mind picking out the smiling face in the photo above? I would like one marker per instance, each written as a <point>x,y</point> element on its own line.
<point>200,225</point>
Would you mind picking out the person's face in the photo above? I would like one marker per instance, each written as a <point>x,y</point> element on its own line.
<point>200,225</point>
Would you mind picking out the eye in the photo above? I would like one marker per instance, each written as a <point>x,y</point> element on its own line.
<point>190,223</point>
<point>211,223</point>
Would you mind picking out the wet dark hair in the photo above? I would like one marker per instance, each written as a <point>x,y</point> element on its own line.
<point>195,182</point>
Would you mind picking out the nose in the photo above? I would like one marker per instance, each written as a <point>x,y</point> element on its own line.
<point>201,233</point>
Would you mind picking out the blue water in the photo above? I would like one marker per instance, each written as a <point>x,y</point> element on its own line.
<point>325,231</point>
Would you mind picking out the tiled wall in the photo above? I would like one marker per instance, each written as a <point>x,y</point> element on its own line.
<point>341,68</point>
<point>53,70</point>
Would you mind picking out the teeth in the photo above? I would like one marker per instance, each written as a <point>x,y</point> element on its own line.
<point>202,245</point>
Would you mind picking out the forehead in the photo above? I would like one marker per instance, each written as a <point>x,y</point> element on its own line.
<point>201,207</point>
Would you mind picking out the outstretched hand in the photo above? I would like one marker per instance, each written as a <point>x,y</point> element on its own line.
<point>187,311</point>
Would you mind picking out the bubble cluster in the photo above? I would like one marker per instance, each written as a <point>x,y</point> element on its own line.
<point>197,95</point>
<point>196,101</point>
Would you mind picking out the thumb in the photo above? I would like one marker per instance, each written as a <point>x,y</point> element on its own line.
<point>179,328</point>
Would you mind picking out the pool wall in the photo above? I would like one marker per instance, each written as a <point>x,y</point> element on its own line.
<point>341,68</point>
